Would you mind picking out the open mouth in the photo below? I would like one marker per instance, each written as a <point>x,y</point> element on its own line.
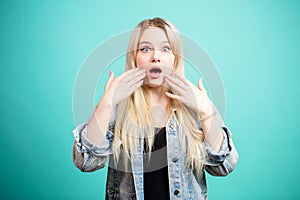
<point>155,72</point>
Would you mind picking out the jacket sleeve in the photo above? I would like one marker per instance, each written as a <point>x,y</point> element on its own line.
<point>89,157</point>
<point>223,162</point>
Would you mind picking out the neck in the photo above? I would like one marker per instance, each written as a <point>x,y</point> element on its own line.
<point>157,95</point>
<point>160,103</point>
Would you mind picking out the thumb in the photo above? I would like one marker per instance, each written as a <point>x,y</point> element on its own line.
<point>200,84</point>
<point>111,78</point>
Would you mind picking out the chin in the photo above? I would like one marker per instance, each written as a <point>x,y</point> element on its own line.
<point>156,83</point>
<point>153,82</point>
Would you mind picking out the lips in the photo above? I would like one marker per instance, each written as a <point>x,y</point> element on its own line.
<point>155,72</point>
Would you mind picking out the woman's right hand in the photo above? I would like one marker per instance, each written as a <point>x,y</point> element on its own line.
<point>119,88</point>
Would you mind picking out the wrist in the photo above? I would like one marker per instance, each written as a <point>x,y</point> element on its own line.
<point>208,112</point>
<point>105,101</point>
<point>207,116</point>
<point>206,109</point>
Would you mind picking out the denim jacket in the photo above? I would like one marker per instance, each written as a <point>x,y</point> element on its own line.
<point>183,184</point>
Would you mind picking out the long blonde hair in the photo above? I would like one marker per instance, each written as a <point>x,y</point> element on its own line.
<point>133,116</point>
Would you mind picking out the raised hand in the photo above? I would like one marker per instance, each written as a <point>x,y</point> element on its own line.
<point>188,94</point>
<point>119,88</point>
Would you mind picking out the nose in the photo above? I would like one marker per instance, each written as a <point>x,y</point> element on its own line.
<point>155,56</point>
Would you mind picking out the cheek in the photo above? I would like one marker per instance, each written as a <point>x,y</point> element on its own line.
<point>170,60</point>
<point>141,59</point>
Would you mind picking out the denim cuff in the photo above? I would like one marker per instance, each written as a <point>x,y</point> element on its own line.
<point>83,145</point>
<point>215,158</point>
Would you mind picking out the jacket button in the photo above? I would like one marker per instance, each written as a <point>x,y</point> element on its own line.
<point>174,159</point>
<point>176,192</point>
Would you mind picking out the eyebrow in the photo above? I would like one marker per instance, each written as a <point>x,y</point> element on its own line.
<point>146,42</point>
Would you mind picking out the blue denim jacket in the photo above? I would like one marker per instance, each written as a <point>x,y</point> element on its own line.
<point>183,184</point>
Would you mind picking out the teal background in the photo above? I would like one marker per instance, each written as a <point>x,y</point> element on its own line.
<point>255,46</point>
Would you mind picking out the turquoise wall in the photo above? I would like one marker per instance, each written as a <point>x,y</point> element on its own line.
<point>254,44</point>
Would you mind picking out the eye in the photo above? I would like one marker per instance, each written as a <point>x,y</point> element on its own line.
<point>166,48</point>
<point>145,49</point>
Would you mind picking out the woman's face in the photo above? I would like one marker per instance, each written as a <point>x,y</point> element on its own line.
<point>155,55</point>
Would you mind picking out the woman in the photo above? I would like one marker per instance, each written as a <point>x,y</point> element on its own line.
<point>159,130</point>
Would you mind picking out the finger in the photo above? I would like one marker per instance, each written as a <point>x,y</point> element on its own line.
<point>175,82</point>
<point>174,86</point>
<point>137,78</point>
<point>139,73</point>
<point>173,96</point>
<point>200,85</point>
<point>137,85</point>
<point>129,72</point>
<point>180,77</point>
<point>111,78</point>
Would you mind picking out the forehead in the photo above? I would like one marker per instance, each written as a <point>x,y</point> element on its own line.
<point>154,35</point>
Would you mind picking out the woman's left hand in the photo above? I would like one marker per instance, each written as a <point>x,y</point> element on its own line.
<point>188,94</point>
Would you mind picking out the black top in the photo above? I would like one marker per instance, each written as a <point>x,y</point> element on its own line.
<point>156,181</point>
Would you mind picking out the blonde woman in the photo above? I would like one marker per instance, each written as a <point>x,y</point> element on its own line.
<point>159,131</point>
